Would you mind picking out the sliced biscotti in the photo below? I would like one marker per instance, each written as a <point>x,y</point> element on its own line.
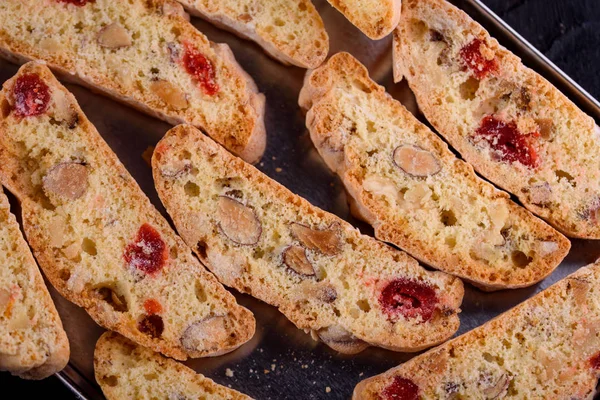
<point>145,54</point>
<point>33,344</point>
<point>375,18</point>
<point>545,348</point>
<point>96,235</point>
<point>125,370</point>
<point>417,195</point>
<point>512,125</point>
<point>347,289</point>
<point>291,31</point>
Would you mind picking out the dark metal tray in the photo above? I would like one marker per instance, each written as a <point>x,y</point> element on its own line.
<point>282,362</point>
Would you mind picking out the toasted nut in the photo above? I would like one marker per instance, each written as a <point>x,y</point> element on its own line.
<point>68,180</point>
<point>498,214</point>
<point>579,288</point>
<point>57,230</point>
<point>341,340</point>
<point>113,36</point>
<point>497,390</point>
<point>416,161</point>
<point>482,251</point>
<point>381,187</point>
<point>327,294</point>
<point>170,94</point>
<point>51,45</point>
<point>205,334</point>
<point>175,8</point>
<point>326,241</point>
<point>545,127</point>
<point>294,257</point>
<point>541,194</point>
<point>418,194</point>
<point>546,248</point>
<point>64,111</point>
<point>238,222</point>
<point>176,169</point>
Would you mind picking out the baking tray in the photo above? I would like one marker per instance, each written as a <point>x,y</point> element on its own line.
<point>282,362</point>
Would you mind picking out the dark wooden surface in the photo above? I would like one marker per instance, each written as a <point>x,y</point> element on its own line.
<point>566,31</point>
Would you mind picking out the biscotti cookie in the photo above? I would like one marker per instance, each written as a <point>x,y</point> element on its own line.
<point>96,235</point>
<point>512,125</point>
<point>376,19</point>
<point>291,31</point>
<point>545,348</point>
<point>125,370</point>
<point>347,289</point>
<point>145,54</point>
<point>417,195</point>
<point>33,344</point>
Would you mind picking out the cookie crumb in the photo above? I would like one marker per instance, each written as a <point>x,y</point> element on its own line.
<point>278,169</point>
<point>273,367</point>
<point>327,389</point>
<point>229,373</point>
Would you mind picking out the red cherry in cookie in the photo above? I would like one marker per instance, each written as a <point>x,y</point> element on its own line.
<point>31,95</point>
<point>508,142</point>
<point>79,3</point>
<point>595,361</point>
<point>200,68</point>
<point>408,298</point>
<point>148,253</point>
<point>476,61</point>
<point>401,389</point>
<point>152,306</point>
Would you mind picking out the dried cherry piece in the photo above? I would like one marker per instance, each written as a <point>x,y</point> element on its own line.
<point>401,389</point>
<point>508,142</point>
<point>79,3</point>
<point>409,298</point>
<point>31,95</point>
<point>152,325</point>
<point>476,61</point>
<point>201,68</point>
<point>148,252</point>
<point>152,306</point>
<point>595,361</point>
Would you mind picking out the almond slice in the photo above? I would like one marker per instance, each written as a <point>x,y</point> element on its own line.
<point>294,257</point>
<point>416,161</point>
<point>113,36</point>
<point>341,340</point>
<point>238,222</point>
<point>326,241</point>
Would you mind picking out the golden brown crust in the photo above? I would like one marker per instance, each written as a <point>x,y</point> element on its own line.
<point>33,343</point>
<point>543,348</point>
<point>348,122</point>
<point>123,369</point>
<point>274,238</point>
<point>429,51</point>
<point>86,262</point>
<point>292,32</point>
<point>376,19</point>
<point>233,117</point>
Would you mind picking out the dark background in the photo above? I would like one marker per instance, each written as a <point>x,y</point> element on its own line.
<point>566,32</point>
